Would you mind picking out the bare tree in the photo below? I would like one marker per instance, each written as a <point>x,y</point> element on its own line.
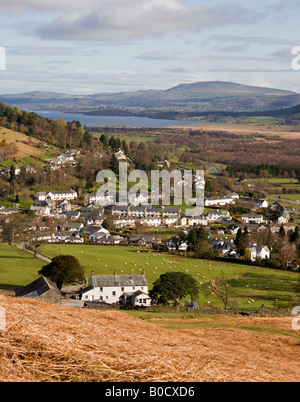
<point>222,289</point>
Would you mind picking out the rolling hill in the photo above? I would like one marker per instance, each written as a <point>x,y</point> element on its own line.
<point>195,97</point>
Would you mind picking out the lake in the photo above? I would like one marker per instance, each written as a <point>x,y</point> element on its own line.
<point>106,121</point>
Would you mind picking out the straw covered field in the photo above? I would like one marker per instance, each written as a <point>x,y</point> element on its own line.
<point>49,343</point>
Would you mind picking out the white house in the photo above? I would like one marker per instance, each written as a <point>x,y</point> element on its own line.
<point>261,252</point>
<point>99,199</point>
<point>95,237</point>
<point>41,210</point>
<point>40,196</point>
<point>124,222</point>
<point>151,221</point>
<point>72,226</point>
<point>170,220</point>
<point>120,155</point>
<point>125,289</point>
<point>62,195</point>
<point>176,243</point>
<point>252,218</point>
<point>65,206</point>
<point>140,199</point>
<point>227,199</point>
<point>218,216</point>
<point>194,220</point>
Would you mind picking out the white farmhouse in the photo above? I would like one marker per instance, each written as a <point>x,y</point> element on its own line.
<point>125,289</point>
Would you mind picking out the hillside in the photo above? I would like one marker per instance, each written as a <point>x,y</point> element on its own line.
<point>195,97</point>
<point>48,343</point>
<point>24,145</point>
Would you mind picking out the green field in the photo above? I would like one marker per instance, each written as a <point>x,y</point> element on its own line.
<point>249,283</point>
<point>17,268</point>
<point>293,197</point>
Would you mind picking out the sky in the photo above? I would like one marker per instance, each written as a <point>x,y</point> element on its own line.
<point>90,46</point>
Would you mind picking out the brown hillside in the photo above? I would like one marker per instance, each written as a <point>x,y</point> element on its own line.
<point>44,342</point>
<point>26,146</point>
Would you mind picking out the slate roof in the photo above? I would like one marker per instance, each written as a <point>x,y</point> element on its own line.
<point>38,288</point>
<point>102,281</point>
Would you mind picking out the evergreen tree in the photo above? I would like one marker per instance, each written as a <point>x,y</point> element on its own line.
<point>295,235</point>
<point>125,147</point>
<point>282,231</point>
<point>114,164</point>
<point>112,142</point>
<point>239,239</point>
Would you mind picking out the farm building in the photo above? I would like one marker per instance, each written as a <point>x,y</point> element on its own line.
<point>124,289</point>
<point>42,289</point>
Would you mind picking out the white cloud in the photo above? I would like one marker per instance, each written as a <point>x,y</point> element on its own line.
<point>117,20</point>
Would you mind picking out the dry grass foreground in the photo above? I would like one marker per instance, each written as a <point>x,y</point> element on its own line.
<point>49,343</point>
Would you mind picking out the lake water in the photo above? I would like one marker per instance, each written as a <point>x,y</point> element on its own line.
<point>106,121</point>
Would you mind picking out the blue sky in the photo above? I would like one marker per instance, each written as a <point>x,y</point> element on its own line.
<point>90,46</point>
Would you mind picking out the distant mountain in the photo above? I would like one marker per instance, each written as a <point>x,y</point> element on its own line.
<point>208,96</point>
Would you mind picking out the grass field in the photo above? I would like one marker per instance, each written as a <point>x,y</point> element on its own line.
<point>253,286</point>
<point>17,268</point>
<point>293,197</point>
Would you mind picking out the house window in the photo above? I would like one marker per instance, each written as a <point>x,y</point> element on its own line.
<point>101,298</point>
<point>144,301</point>
<point>133,288</point>
<point>113,293</point>
<point>142,287</point>
<point>101,289</point>
<point>122,289</point>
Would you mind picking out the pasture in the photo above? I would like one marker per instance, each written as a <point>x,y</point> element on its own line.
<point>252,286</point>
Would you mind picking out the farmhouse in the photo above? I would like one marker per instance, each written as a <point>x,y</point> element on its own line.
<point>125,289</point>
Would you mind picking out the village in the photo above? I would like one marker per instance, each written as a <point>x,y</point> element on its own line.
<point>67,217</point>
<point>61,218</point>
